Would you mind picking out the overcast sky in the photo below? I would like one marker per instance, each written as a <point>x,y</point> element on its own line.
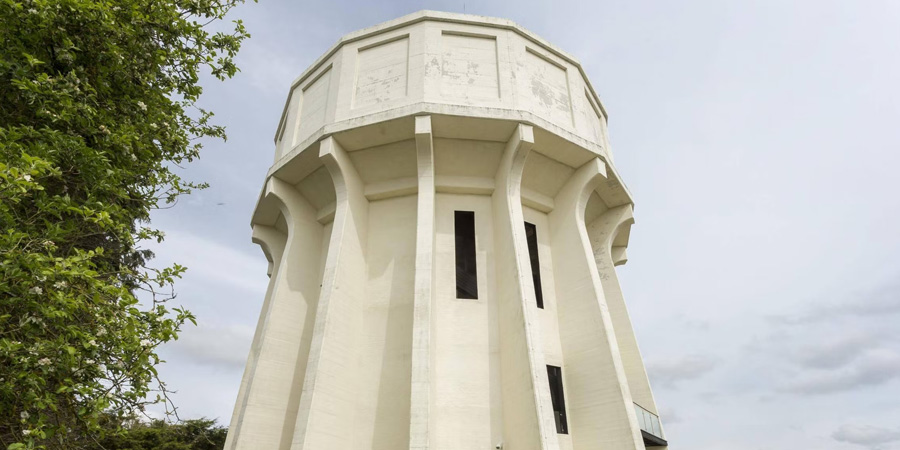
<point>761,142</point>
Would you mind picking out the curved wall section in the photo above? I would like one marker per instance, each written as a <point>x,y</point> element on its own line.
<point>269,395</point>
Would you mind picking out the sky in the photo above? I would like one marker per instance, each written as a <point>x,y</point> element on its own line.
<point>761,143</point>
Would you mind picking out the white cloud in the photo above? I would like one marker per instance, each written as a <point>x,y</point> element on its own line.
<point>759,140</point>
<point>879,302</point>
<point>866,435</point>
<point>212,263</point>
<point>839,350</point>
<point>874,368</point>
<point>670,372</point>
<point>268,70</point>
<point>226,345</point>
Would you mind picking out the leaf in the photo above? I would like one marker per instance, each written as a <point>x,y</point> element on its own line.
<point>74,203</point>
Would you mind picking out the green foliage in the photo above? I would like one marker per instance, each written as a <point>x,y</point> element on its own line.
<point>200,434</point>
<point>97,106</point>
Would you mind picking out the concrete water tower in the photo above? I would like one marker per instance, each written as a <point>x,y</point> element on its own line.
<point>442,223</point>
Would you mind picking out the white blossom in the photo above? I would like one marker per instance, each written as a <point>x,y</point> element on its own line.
<point>145,342</point>
<point>26,432</point>
<point>101,332</point>
<point>44,362</point>
<point>60,285</point>
<point>89,361</point>
<point>27,177</point>
<point>142,106</point>
<point>92,342</point>
<point>24,415</point>
<point>36,290</point>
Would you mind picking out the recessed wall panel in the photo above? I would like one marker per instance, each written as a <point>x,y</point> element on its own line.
<point>312,107</point>
<point>548,85</point>
<point>592,116</point>
<point>289,127</point>
<point>469,67</point>
<point>381,73</point>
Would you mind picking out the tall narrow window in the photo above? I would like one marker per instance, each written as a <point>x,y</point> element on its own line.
<point>554,374</point>
<point>466,273</point>
<point>531,235</point>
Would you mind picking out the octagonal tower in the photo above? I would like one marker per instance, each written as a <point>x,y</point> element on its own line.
<point>442,223</point>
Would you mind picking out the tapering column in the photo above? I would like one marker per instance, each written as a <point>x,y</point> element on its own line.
<point>527,409</point>
<point>272,243</point>
<point>602,415</point>
<point>277,361</point>
<point>422,354</point>
<point>328,401</point>
<point>604,232</point>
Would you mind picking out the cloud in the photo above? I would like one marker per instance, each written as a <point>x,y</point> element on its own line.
<point>225,346</point>
<point>847,345</point>
<point>670,416</point>
<point>268,70</point>
<point>671,372</point>
<point>873,368</point>
<point>866,435</point>
<point>876,303</point>
<point>837,351</point>
<point>214,263</point>
<point>736,115</point>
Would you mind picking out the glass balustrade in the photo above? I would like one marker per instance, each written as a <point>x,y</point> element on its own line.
<point>649,424</point>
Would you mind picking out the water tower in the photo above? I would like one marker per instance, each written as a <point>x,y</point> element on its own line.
<point>442,223</point>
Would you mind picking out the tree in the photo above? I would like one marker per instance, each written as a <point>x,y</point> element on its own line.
<point>198,434</point>
<point>98,106</point>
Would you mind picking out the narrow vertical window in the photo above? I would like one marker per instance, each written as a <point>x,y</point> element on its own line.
<point>466,273</point>
<point>531,235</point>
<point>554,374</point>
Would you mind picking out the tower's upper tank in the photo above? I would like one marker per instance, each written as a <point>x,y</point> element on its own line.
<point>444,64</point>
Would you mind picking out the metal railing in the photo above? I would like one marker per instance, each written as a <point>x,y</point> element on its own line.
<point>648,421</point>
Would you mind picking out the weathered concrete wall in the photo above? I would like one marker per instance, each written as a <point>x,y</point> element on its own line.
<point>362,342</point>
<point>382,411</point>
<point>467,409</point>
<point>446,60</point>
<point>276,367</point>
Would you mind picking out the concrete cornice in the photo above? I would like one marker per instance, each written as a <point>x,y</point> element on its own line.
<point>430,108</point>
<point>438,109</point>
